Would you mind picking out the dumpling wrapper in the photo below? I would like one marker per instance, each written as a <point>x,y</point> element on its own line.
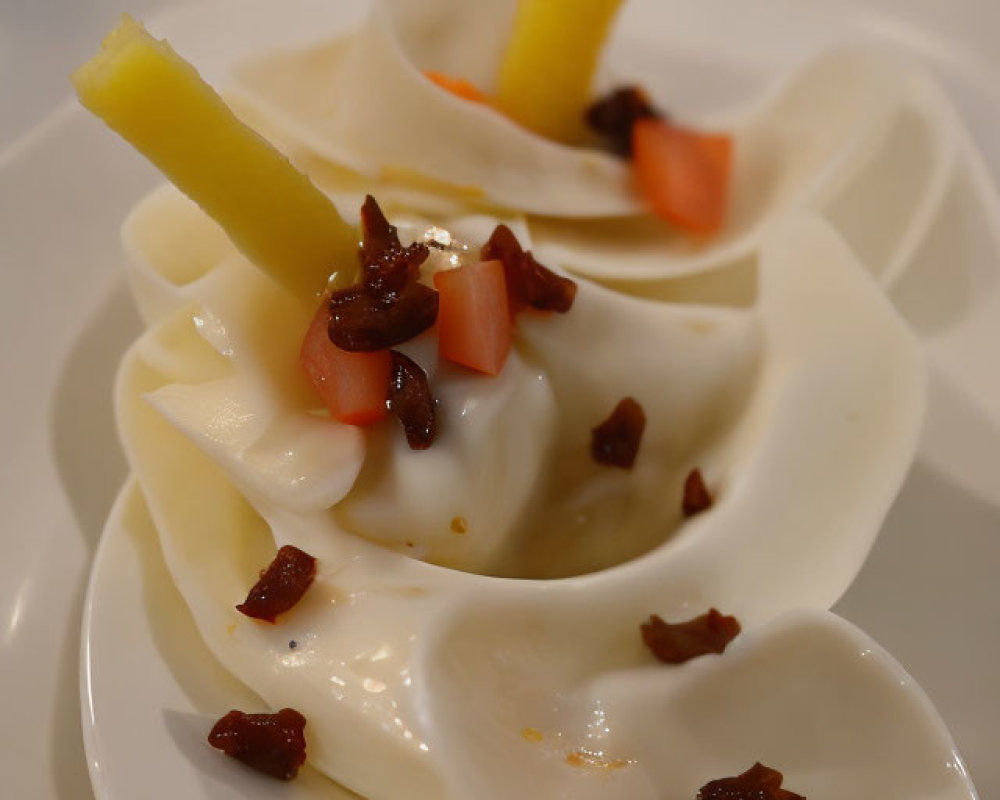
<point>322,98</point>
<point>857,135</point>
<point>853,132</point>
<point>853,129</point>
<point>807,694</point>
<point>836,714</point>
<point>813,463</point>
<point>505,460</point>
<point>259,420</point>
<point>787,149</point>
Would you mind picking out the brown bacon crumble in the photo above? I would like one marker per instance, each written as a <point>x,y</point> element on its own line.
<point>411,401</point>
<point>528,282</point>
<point>696,495</point>
<point>675,643</point>
<point>615,441</point>
<point>613,116</point>
<point>389,305</point>
<point>757,783</point>
<point>281,585</point>
<point>270,743</point>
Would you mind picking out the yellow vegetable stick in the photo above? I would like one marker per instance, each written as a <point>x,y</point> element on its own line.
<point>159,103</point>
<point>545,77</point>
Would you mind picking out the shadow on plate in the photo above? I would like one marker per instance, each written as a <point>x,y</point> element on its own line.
<point>84,437</point>
<point>930,581</point>
<point>956,265</point>
<point>91,468</point>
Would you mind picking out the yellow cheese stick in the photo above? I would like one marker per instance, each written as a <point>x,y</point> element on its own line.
<point>545,77</point>
<point>159,103</point>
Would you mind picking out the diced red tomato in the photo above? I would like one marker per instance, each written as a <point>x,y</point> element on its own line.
<point>354,386</point>
<point>683,174</point>
<point>457,86</point>
<point>474,324</point>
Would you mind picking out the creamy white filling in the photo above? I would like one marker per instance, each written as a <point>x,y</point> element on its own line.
<point>458,503</point>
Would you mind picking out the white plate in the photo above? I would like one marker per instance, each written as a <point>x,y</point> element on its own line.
<point>926,594</point>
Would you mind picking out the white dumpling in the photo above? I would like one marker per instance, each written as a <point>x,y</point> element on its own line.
<point>322,98</point>
<point>855,132</point>
<point>511,472</point>
<point>861,136</point>
<point>854,128</point>
<point>802,403</point>
<point>812,459</point>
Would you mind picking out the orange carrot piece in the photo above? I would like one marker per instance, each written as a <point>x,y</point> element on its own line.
<point>684,175</point>
<point>457,86</point>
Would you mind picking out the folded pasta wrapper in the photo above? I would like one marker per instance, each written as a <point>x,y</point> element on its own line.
<point>805,409</point>
<point>854,131</point>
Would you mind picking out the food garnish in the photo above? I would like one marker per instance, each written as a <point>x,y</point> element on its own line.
<point>528,282</point>
<point>614,115</point>
<point>388,305</point>
<point>270,743</point>
<point>351,385</point>
<point>474,321</point>
<point>346,352</point>
<point>281,585</point>
<point>457,86</point>
<point>159,103</point>
<point>683,174</point>
<point>616,441</point>
<point>545,77</point>
<point>757,783</point>
<point>410,399</point>
<point>675,643</point>
<point>697,498</point>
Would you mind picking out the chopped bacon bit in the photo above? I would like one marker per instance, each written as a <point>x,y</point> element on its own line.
<point>757,783</point>
<point>270,743</point>
<point>682,641</point>
<point>615,441</point>
<point>411,401</point>
<point>457,86</point>
<point>528,282</point>
<point>281,585</point>
<point>380,236</point>
<point>389,305</point>
<point>360,322</point>
<point>696,495</point>
<point>387,266</point>
<point>613,116</point>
